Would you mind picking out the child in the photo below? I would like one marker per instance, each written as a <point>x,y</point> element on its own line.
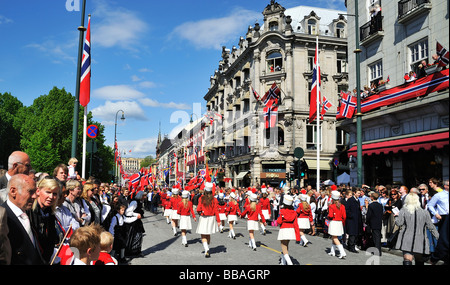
<point>118,230</point>
<point>304,218</point>
<point>185,211</point>
<point>87,241</point>
<point>106,246</point>
<point>288,228</point>
<point>72,174</point>
<point>174,216</point>
<point>166,205</point>
<point>253,212</point>
<point>232,210</point>
<point>209,217</point>
<point>337,217</point>
<point>265,207</point>
<point>222,207</point>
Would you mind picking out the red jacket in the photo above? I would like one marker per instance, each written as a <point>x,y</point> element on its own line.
<point>104,258</point>
<point>288,219</point>
<point>304,213</point>
<point>166,202</point>
<point>253,215</point>
<point>222,208</point>
<point>265,204</point>
<point>174,201</point>
<point>208,211</point>
<point>185,211</point>
<point>233,209</point>
<point>336,214</point>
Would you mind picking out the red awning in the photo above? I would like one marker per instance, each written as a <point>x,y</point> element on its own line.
<point>414,143</point>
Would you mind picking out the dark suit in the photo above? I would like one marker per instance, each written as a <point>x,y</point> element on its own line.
<point>353,223</point>
<point>374,219</point>
<point>23,250</point>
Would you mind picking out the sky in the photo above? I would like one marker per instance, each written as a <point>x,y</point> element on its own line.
<point>151,59</point>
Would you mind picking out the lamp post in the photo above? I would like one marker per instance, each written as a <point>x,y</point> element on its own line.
<point>358,94</point>
<point>115,137</point>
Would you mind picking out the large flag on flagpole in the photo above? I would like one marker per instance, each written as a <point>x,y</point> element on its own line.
<point>315,88</point>
<point>85,88</point>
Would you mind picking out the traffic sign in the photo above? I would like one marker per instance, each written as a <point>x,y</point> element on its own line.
<point>92,131</point>
<point>299,152</point>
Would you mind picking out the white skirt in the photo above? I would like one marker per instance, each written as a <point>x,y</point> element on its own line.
<point>207,225</point>
<point>336,228</point>
<point>167,212</point>
<point>174,215</point>
<point>223,216</point>
<point>252,225</point>
<point>232,218</point>
<point>286,234</point>
<point>185,223</point>
<point>303,223</point>
<point>266,214</point>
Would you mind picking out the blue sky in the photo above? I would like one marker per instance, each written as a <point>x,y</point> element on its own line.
<point>152,59</point>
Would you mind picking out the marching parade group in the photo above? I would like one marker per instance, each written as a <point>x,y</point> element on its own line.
<point>44,218</point>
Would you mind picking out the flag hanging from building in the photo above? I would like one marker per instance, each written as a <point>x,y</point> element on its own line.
<point>272,97</point>
<point>348,105</point>
<point>85,79</point>
<point>270,116</point>
<point>325,106</point>
<point>315,88</point>
<point>443,55</point>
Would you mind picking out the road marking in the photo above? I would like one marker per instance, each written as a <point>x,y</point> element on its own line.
<point>261,245</point>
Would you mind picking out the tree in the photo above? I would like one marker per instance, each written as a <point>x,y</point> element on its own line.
<point>148,160</point>
<point>9,132</point>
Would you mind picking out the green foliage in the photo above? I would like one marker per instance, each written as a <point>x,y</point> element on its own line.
<point>149,160</point>
<point>9,135</point>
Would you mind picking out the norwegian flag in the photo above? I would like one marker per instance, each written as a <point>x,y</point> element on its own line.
<point>270,116</point>
<point>326,105</point>
<point>443,55</point>
<point>348,105</point>
<point>85,80</point>
<point>256,95</point>
<point>315,89</point>
<point>272,96</point>
<point>65,253</point>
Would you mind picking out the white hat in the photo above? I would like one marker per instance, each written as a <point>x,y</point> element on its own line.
<point>263,190</point>
<point>208,186</point>
<point>335,195</point>
<point>253,197</point>
<point>286,189</point>
<point>221,195</point>
<point>175,191</point>
<point>288,200</point>
<point>303,197</point>
<point>232,195</point>
<point>184,194</point>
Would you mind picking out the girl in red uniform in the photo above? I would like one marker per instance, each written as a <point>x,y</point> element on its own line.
<point>337,217</point>
<point>174,216</point>
<point>287,220</point>
<point>222,208</point>
<point>304,219</point>
<point>232,211</point>
<point>185,211</point>
<point>166,205</point>
<point>265,207</point>
<point>253,212</point>
<point>209,217</point>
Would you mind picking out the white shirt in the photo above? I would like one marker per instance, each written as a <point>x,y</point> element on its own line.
<point>18,212</point>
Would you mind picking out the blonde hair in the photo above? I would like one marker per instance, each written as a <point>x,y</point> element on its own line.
<point>412,203</point>
<point>51,184</point>
<point>72,184</point>
<point>106,240</point>
<point>72,160</point>
<point>86,187</point>
<point>86,237</point>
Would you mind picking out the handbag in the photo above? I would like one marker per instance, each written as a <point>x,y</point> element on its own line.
<point>392,239</point>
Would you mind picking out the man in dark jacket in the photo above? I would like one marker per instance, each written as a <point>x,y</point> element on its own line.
<point>353,223</point>
<point>374,218</point>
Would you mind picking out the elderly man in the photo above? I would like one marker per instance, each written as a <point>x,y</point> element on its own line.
<point>18,162</point>
<point>24,245</point>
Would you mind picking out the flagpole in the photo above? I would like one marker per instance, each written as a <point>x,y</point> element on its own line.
<point>318,114</point>
<point>83,171</point>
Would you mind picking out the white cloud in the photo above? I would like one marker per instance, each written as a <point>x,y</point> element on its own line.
<point>172,105</point>
<point>4,20</point>
<point>108,111</point>
<point>139,148</point>
<point>117,27</point>
<point>214,33</point>
<point>58,51</point>
<point>118,92</point>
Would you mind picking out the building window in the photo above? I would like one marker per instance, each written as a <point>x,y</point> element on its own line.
<point>341,65</point>
<point>311,137</point>
<point>418,52</point>
<point>340,30</point>
<point>376,72</point>
<point>273,26</point>
<point>274,62</point>
<point>312,27</point>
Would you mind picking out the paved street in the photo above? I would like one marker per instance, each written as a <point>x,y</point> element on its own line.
<point>160,247</point>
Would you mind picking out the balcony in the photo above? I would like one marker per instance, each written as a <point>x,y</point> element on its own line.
<point>371,31</point>
<point>410,9</point>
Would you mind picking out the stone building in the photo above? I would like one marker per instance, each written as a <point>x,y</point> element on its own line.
<point>280,51</point>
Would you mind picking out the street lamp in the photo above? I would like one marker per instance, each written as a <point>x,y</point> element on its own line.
<point>115,137</point>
